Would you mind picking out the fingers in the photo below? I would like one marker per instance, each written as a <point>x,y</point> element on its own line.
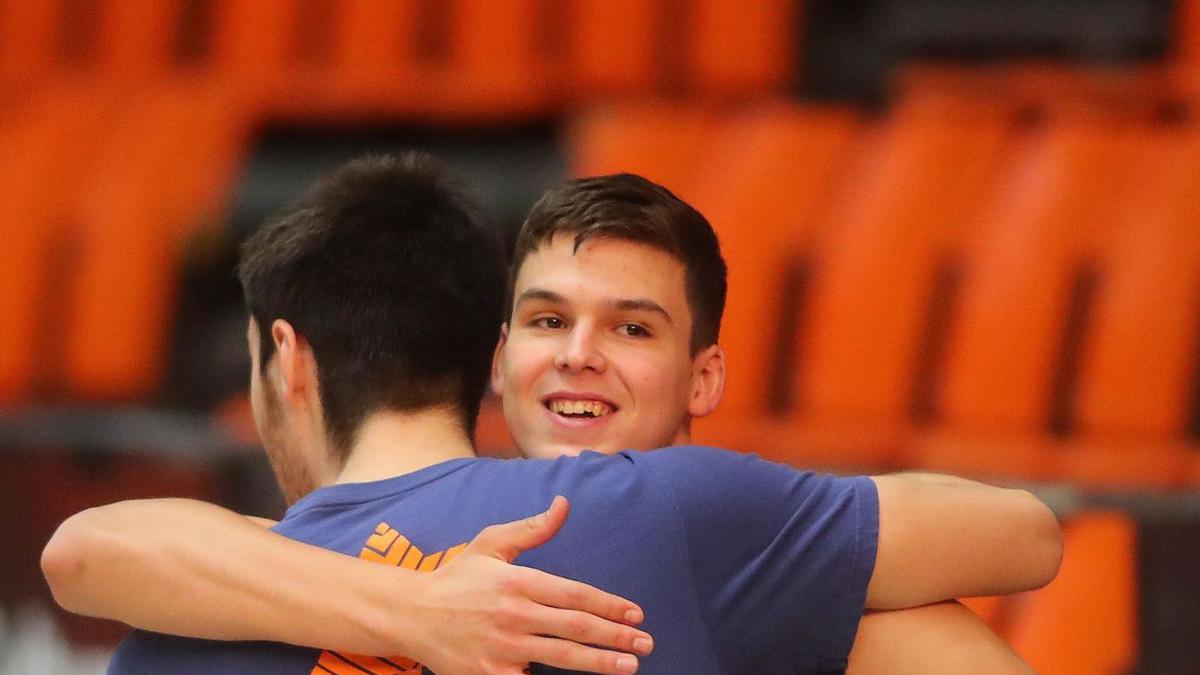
<point>547,589</point>
<point>574,656</point>
<point>508,540</point>
<point>589,629</point>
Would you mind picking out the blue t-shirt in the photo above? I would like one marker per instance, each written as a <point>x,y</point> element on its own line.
<point>741,565</point>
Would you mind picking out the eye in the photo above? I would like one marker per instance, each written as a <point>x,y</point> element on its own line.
<point>634,330</point>
<point>550,322</point>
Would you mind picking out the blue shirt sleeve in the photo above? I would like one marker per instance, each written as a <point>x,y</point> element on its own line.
<point>780,558</point>
<point>147,653</point>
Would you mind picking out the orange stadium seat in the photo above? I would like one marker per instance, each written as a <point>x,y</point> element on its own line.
<point>891,252</point>
<point>1138,369</point>
<point>1186,39</point>
<point>662,141</point>
<point>1085,621</point>
<point>766,191</point>
<point>898,217</point>
<point>251,42</point>
<point>497,64</point>
<point>612,46</point>
<point>707,47</point>
<point>995,392</point>
<point>47,143</point>
<point>741,48</point>
<point>465,60</point>
<point>372,48</point>
<point>28,41</point>
<point>109,40</point>
<point>314,59</point>
<point>135,41</point>
<point>149,190</point>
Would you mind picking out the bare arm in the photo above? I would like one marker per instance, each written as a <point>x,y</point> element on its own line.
<point>942,537</point>
<point>194,569</point>
<point>263,522</point>
<point>941,638</point>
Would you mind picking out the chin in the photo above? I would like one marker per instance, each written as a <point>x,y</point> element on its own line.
<point>552,450</point>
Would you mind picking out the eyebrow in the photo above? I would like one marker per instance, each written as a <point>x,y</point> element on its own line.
<point>642,305</point>
<point>626,305</point>
<point>535,293</point>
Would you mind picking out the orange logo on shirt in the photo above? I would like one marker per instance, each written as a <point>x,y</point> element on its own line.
<point>389,547</point>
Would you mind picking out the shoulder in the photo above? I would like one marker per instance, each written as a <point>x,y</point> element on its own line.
<point>689,456</point>
<point>709,482</point>
<point>662,468</point>
<point>699,466</point>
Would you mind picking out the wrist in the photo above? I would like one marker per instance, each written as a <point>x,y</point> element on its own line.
<point>391,611</point>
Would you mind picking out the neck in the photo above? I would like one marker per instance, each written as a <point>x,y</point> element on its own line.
<point>395,443</point>
<point>684,435</point>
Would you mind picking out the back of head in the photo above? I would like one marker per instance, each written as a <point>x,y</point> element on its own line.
<point>629,207</point>
<point>391,273</point>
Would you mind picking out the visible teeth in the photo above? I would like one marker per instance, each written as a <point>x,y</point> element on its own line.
<point>578,407</point>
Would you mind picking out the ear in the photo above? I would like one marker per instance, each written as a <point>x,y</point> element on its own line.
<point>497,372</point>
<point>708,381</point>
<point>297,368</point>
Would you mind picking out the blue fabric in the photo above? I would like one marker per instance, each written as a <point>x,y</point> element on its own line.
<point>741,565</point>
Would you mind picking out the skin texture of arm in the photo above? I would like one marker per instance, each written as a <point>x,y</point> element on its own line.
<point>940,638</point>
<point>942,537</point>
<point>193,569</point>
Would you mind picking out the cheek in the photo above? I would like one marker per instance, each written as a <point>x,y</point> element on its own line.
<point>659,382</point>
<point>650,380</point>
<point>523,364</point>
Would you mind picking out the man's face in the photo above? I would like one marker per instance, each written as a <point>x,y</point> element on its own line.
<point>597,355</point>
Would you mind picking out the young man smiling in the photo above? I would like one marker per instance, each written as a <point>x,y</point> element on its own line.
<point>615,306</point>
<point>612,344</point>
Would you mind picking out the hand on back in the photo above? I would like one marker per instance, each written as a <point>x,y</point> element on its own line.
<point>486,615</point>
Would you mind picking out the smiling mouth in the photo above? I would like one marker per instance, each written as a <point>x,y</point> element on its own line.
<point>579,408</point>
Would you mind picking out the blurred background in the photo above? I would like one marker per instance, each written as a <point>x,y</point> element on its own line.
<point>963,236</point>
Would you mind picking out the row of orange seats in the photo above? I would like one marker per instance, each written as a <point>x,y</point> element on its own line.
<point>100,189</point>
<point>123,126</point>
<point>992,280</point>
<point>471,59</point>
<point>945,245</point>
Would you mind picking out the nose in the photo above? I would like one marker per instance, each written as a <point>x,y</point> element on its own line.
<point>580,351</point>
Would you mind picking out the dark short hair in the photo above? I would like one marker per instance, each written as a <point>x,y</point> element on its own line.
<point>390,271</point>
<point>629,207</point>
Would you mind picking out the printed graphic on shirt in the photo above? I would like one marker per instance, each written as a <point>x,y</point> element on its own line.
<point>389,547</point>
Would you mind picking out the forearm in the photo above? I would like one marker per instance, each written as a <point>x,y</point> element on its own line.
<point>940,638</point>
<point>942,537</point>
<point>194,569</point>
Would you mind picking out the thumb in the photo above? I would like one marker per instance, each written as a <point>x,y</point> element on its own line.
<point>509,540</point>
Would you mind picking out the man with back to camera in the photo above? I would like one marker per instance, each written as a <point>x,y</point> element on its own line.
<point>651,328</point>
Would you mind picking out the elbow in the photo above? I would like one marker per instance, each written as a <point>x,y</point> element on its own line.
<point>64,560</point>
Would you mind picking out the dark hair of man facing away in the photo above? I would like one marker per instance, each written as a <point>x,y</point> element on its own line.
<point>629,207</point>
<point>389,270</point>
